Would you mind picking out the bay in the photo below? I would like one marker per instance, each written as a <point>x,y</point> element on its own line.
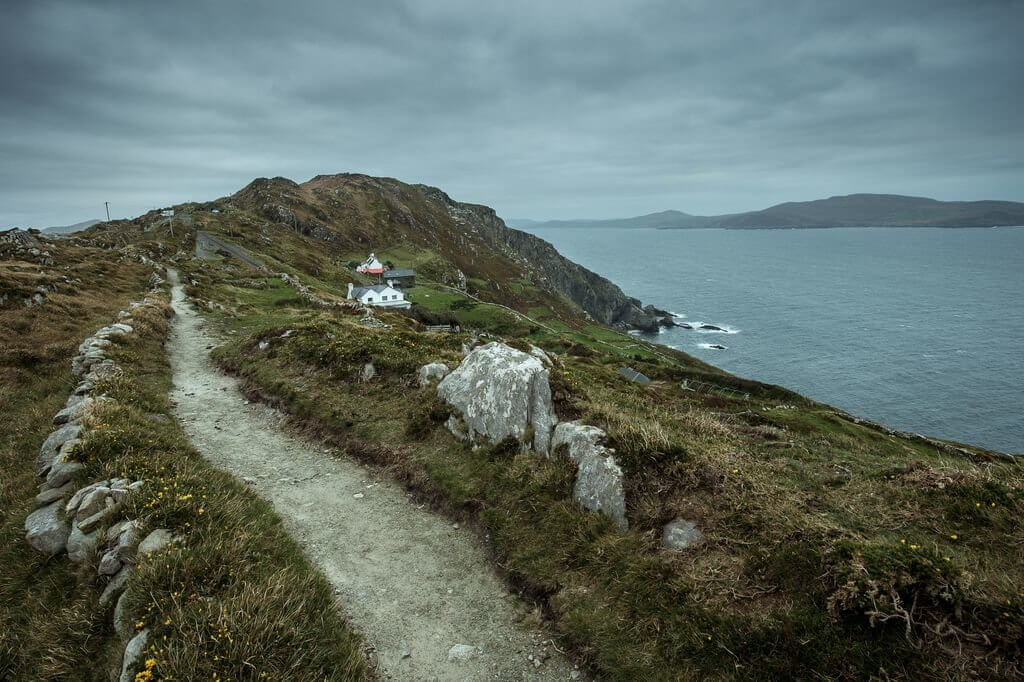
<point>918,328</point>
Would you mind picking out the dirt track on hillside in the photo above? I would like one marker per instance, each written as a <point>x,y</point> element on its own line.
<point>405,577</point>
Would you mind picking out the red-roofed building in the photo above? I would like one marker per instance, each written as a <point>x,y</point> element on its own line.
<point>372,266</point>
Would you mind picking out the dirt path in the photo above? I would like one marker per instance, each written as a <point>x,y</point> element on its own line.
<point>409,580</point>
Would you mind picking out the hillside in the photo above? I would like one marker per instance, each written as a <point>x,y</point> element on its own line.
<point>854,210</point>
<point>663,519</point>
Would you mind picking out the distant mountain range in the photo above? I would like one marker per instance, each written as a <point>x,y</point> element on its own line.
<point>853,210</point>
<point>68,229</point>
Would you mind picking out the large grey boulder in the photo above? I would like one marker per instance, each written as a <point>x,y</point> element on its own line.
<point>599,482</point>
<point>500,392</point>
<point>80,545</point>
<point>52,445</point>
<point>122,625</point>
<point>47,529</point>
<point>116,586</point>
<point>155,541</point>
<point>133,654</point>
<point>432,373</point>
<point>53,494</point>
<point>73,413</point>
<point>599,487</point>
<point>62,471</point>
<point>681,534</point>
<point>92,502</point>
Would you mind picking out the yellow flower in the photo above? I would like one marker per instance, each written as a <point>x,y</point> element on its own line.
<point>903,541</point>
<point>201,511</point>
<point>954,536</point>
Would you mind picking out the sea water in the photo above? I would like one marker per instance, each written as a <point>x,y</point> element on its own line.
<point>918,328</point>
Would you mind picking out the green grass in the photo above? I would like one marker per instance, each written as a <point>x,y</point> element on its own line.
<point>804,522</point>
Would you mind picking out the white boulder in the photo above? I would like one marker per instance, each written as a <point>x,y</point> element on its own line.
<point>432,373</point>
<point>500,392</point>
<point>599,481</point>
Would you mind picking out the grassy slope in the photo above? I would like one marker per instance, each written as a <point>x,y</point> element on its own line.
<point>832,549</point>
<point>235,599</point>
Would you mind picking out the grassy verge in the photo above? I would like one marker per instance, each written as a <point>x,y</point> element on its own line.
<point>831,550</point>
<point>232,598</point>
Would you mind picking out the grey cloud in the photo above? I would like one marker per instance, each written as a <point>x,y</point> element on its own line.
<point>540,109</point>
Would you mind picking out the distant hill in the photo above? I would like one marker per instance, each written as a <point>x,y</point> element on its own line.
<point>853,210</point>
<point>662,219</point>
<point>68,229</point>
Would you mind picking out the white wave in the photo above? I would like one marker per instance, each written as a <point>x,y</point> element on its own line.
<point>712,346</point>
<point>722,328</point>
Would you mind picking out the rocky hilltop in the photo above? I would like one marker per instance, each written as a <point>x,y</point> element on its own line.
<point>359,210</point>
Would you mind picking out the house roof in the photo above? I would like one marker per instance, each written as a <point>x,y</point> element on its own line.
<point>400,272</point>
<point>357,292</point>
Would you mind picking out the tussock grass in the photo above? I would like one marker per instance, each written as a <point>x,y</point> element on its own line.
<point>802,572</point>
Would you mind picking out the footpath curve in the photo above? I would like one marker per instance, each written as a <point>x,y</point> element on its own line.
<point>421,591</point>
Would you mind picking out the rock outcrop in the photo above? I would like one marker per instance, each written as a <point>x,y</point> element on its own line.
<point>599,481</point>
<point>681,534</point>
<point>600,297</point>
<point>432,373</point>
<point>500,392</point>
<point>47,529</point>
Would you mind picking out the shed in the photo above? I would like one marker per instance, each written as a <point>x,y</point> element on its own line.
<point>402,278</point>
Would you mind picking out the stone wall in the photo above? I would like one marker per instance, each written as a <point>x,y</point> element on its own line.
<point>88,520</point>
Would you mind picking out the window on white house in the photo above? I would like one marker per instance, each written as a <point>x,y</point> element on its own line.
<point>369,299</point>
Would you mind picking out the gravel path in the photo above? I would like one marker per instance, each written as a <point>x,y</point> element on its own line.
<point>414,584</point>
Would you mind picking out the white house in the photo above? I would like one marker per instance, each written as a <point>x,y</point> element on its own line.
<point>383,295</point>
<point>372,266</point>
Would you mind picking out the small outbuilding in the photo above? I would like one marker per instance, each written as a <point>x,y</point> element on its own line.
<point>401,278</point>
<point>371,266</point>
<point>381,295</point>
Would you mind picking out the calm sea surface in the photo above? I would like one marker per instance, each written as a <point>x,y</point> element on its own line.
<point>921,329</point>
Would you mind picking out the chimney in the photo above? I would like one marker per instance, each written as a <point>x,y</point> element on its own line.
<point>350,285</point>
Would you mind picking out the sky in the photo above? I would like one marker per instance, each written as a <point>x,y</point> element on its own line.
<point>569,109</point>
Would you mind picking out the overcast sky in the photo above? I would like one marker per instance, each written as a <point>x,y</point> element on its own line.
<point>540,109</point>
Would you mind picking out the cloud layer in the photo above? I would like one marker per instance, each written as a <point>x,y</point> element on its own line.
<point>540,109</point>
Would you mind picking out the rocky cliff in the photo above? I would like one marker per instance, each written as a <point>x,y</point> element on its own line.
<point>601,298</point>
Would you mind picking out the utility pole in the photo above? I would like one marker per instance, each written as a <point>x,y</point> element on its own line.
<point>106,204</point>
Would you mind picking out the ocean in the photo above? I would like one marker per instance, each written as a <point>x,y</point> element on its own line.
<point>918,328</point>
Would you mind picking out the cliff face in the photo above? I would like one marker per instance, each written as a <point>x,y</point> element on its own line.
<point>599,297</point>
<point>361,210</point>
